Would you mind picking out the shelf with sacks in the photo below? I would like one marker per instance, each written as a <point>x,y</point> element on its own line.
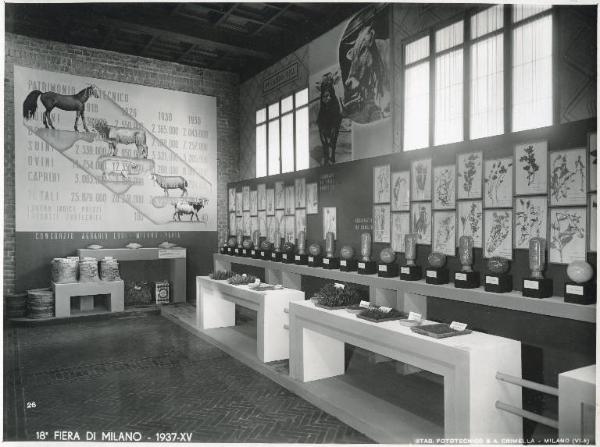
<point>553,306</point>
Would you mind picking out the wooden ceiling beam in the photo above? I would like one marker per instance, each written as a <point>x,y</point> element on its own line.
<point>226,15</point>
<point>206,38</point>
<point>270,20</point>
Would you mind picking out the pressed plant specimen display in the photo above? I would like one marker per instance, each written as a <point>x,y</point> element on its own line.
<point>421,179</point>
<point>443,187</point>
<point>530,219</point>
<point>400,228</point>
<point>531,168</point>
<point>421,221</point>
<point>593,210</point>
<point>498,183</point>
<point>400,191</point>
<point>270,202</point>
<point>300,189</point>
<point>381,184</point>
<point>498,233</point>
<point>568,177</point>
<point>567,235</point>
<point>470,167</point>
<point>444,232</point>
<point>470,220</point>
<point>312,199</point>
<point>381,223</point>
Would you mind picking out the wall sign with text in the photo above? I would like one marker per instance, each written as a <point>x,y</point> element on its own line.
<point>93,154</point>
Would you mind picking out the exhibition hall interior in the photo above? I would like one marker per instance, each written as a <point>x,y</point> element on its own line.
<point>316,223</point>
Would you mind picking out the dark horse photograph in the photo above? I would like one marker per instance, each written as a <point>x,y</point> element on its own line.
<point>51,100</point>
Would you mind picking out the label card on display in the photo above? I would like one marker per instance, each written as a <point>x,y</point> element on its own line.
<point>414,316</point>
<point>460,276</point>
<point>534,285</point>
<point>325,261</point>
<point>284,256</point>
<point>343,263</point>
<point>262,253</point>
<point>458,326</point>
<point>431,273</point>
<point>383,268</point>
<point>361,265</point>
<point>311,259</point>
<point>297,257</point>
<point>364,304</point>
<point>575,290</point>
<point>491,280</point>
<point>405,270</point>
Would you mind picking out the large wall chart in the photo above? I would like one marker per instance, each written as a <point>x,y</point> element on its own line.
<point>92,154</point>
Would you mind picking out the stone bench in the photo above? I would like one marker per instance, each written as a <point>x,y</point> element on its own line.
<point>86,292</point>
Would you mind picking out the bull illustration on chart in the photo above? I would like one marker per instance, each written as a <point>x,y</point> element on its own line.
<point>160,192</point>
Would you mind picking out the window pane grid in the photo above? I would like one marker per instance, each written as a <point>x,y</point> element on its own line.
<point>302,147</point>
<point>449,37</point>
<point>532,74</point>
<point>522,12</point>
<point>261,150</point>
<point>416,107</point>
<point>487,21</point>
<point>274,166</point>
<point>449,98</point>
<point>487,87</point>
<point>417,50</point>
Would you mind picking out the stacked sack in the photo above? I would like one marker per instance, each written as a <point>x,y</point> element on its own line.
<point>64,270</point>
<point>109,269</point>
<point>40,303</point>
<point>88,270</point>
<point>16,305</point>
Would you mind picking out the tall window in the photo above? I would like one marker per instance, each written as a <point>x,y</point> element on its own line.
<point>532,67</point>
<point>487,73</point>
<point>282,135</point>
<point>416,94</point>
<point>502,53</point>
<point>449,84</point>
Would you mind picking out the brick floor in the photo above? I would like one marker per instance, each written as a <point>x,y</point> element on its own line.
<point>145,374</point>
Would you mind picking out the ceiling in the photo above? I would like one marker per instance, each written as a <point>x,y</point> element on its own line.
<point>240,37</point>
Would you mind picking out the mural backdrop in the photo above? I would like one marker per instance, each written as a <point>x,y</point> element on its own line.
<point>93,154</point>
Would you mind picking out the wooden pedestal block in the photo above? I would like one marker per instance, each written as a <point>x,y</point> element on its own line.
<point>87,290</point>
<point>580,293</point>
<point>411,272</point>
<point>537,288</point>
<point>437,276</point>
<point>331,263</point>
<point>387,270</point>
<point>367,267</point>
<point>466,280</point>
<point>315,261</point>
<point>348,265</point>
<point>498,283</point>
<point>301,259</point>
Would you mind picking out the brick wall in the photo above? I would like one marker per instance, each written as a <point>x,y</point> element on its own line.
<point>81,61</point>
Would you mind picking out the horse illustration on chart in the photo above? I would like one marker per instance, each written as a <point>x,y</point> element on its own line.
<point>50,100</point>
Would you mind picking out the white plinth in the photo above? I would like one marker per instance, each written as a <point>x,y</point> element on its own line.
<point>64,292</point>
<point>577,404</point>
<point>467,363</point>
<point>215,308</point>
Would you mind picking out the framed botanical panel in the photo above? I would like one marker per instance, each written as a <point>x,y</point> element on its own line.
<point>312,199</point>
<point>498,183</point>
<point>300,221</point>
<point>401,191</point>
<point>290,229</point>
<point>531,219</point>
<point>420,221</point>
<point>239,225</point>
<point>400,228</point>
<point>290,200</point>
<point>470,174</point>
<point>470,221</point>
<point>593,164</point>
<point>567,235</point>
<point>531,168</point>
<point>231,199</point>
<point>280,222</point>
<point>279,196</point>
<point>262,196</point>
<point>444,232</point>
<point>246,198</point>
<point>420,176</point>
<point>271,227</point>
<point>247,223</point>
<point>254,225</point>
<point>232,228</point>
<point>381,184</point>
<point>329,221</point>
<point>238,204</point>
<point>444,191</point>
<point>270,202</point>
<point>253,203</point>
<point>593,210</point>
<point>568,182</point>
<point>497,233</point>
<point>381,223</point>
<point>262,223</point>
<point>300,188</point>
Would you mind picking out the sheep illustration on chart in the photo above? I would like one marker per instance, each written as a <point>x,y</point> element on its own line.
<point>127,159</point>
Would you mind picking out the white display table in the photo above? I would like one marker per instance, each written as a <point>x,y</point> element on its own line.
<point>64,291</point>
<point>468,364</point>
<point>176,257</point>
<point>577,405</point>
<point>215,308</point>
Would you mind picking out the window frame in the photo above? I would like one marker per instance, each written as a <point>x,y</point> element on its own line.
<point>279,117</point>
<point>507,30</point>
